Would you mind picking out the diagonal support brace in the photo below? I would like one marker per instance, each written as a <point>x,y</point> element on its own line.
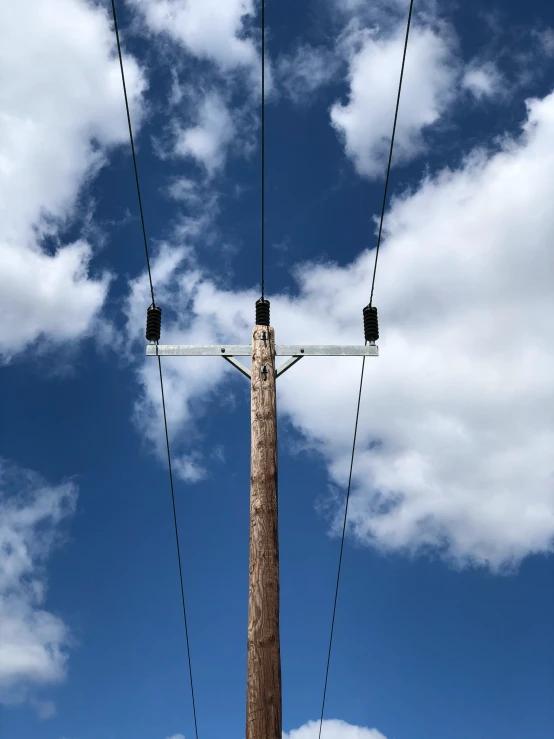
<point>287,365</point>
<point>238,365</point>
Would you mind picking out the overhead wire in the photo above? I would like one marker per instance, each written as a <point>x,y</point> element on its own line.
<point>132,140</point>
<point>263,150</point>
<point>349,487</point>
<point>408,24</point>
<point>172,487</point>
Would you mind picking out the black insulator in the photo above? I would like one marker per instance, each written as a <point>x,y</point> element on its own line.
<point>153,323</point>
<point>262,312</point>
<point>371,323</point>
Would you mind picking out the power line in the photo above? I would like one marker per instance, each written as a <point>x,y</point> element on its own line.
<point>133,150</point>
<point>342,547</point>
<point>263,149</point>
<point>178,547</point>
<point>363,367</point>
<point>160,371</point>
<point>391,148</point>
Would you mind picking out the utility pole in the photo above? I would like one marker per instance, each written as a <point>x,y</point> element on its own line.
<point>263,689</point>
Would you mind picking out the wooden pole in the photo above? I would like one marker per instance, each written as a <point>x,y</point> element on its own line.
<point>263,690</point>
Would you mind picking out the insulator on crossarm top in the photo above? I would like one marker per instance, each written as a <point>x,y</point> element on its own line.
<point>153,323</point>
<point>262,312</point>
<point>371,324</point>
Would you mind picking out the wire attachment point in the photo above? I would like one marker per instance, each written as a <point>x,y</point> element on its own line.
<point>371,324</point>
<point>153,323</point>
<point>262,312</point>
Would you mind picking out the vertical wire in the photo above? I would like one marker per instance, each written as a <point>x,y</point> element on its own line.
<point>263,149</point>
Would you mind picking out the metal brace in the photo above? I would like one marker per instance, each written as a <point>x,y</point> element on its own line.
<point>239,365</point>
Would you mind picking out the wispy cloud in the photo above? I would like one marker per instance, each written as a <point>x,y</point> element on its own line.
<point>483,80</point>
<point>306,70</point>
<point>522,55</point>
<point>189,468</point>
<point>207,141</point>
<point>44,709</point>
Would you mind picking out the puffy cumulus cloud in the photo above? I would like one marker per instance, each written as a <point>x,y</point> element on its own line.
<point>207,142</point>
<point>49,296</point>
<point>61,108</point>
<point>456,441</point>
<point>33,641</point>
<point>333,729</point>
<point>208,29</point>
<point>364,123</point>
<point>176,736</point>
<point>307,68</point>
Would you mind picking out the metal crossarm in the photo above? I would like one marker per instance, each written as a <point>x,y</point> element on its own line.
<point>245,350</point>
<point>177,350</point>
<point>323,350</point>
<point>230,351</point>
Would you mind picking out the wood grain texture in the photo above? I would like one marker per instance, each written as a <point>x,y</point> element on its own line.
<point>263,699</point>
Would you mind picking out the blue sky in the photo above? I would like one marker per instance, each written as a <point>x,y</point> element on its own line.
<point>444,622</point>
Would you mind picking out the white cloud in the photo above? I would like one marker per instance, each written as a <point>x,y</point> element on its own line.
<point>333,729</point>
<point>460,398</point>
<point>61,108</point>
<point>183,382</point>
<point>47,295</point>
<point>33,641</point>
<point>381,11</point>
<point>349,6</point>
<point>224,33</point>
<point>364,123</point>
<point>306,70</point>
<point>189,469</point>
<point>483,80</point>
<point>185,190</point>
<point>176,736</point>
<point>208,141</point>
<point>208,29</point>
